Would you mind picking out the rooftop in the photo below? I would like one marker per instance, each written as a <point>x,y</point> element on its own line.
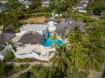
<point>5,37</point>
<point>31,38</point>
<point>33,27</point>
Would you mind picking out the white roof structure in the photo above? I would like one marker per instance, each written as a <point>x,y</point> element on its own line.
<point>52,23</point>
<point>51,26</point>
<point>33,27</point>
<point>1,57</point>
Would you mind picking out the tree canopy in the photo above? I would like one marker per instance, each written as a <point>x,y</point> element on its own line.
<point>96,7</point>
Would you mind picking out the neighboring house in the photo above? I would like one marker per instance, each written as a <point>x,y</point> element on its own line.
<point>81,6</point>
<point>4,38</point>
<point>84,1</point>
<point>64,27</point>
<point>3,7</point>
<point>3,1</point>
<point>27,3</point>
<point>45,3</point>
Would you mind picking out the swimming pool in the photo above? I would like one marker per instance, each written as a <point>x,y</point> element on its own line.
<point>49,42</point>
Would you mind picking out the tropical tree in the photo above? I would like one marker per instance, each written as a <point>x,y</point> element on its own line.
<point>76,38</point>
<point>14,4</point>
<point>5,69</point>
<point>40,72</point>
<point>35,4</point>
<point>95,46</point>
<point>61,6</point>
<point>84,51</point>
<point>96,7</point>
<point>10,21</point>
<point>60,62</point>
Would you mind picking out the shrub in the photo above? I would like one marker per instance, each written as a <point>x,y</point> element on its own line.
<point>9,56</point>
<point>22,67</point>
<point>25,60</point>
<point>5,69</point>
<point>24,75</point>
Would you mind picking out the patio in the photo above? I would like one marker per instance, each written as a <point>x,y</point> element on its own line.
<point>36,51</point>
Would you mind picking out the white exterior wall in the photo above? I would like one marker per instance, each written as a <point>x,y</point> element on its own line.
<point>24,56</point>
<point>31,55</point>
<point>5,49</point>
<point>83,11</point>
<point>1,57</point>
<point>2,53</point>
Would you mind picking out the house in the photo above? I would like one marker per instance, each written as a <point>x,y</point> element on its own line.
<point>4,38</point>
<point>3,7</point>
<point>29,46</point>
<point>81,6</point>
<point>27,3</point>
<point>39,28</point>
<point>65,25</point>
<point>45,3</point>
<point>84,1</point>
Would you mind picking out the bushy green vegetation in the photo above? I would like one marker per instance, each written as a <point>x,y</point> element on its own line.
<point>25,75</point>
<point>59,6</point>
<point>25,60</point>
<point>9,56</point>
<point>81,17</point>
<point>22,67</point>
<point>96,7</point>
<point>5,69</point>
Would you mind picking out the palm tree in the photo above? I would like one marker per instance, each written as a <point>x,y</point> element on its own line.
<point>76,39</point>
<point>86,51</point>
<point>61,59</point>
<point>40,72</point>
<point>95,46</point>
<point>60,62</point>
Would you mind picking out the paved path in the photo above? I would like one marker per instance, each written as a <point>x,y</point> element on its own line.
<point>30,63</point>
<point>15,75</point>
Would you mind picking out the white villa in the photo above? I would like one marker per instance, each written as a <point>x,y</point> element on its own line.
<point>28,41</point>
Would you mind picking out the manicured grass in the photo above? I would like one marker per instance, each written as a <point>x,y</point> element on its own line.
<point>37,20</point>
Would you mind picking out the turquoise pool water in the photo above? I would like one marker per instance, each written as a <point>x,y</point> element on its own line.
<point>49,42</point>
